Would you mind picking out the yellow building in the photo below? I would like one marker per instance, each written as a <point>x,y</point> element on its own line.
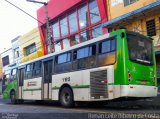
<point>30,46</point>
<point>1,68</point>
<point>142,16</point>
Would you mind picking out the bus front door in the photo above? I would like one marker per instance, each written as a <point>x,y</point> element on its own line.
<point>20,83</point>
<point>47,80</point>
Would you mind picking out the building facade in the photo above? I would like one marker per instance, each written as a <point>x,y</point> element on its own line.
<point>7,59</point>
<point>30,46</point>
<point>73,22</point>
<point>15,50</point>
<point>6,62</point>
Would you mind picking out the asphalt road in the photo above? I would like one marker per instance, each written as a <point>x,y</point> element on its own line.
<point>52,110</point>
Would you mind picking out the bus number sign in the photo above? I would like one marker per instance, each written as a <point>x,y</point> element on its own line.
<point>66,79</point>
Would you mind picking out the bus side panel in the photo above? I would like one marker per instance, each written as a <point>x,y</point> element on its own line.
<point>11,86</point>
<point>33,89</point>
<point>81,84</point>
<point>74,79</point>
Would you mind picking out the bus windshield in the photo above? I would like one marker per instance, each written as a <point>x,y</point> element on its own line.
<point>140,49</point>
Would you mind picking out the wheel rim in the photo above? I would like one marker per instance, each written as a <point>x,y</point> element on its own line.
<point>66,98</point>
<point>12,98</point>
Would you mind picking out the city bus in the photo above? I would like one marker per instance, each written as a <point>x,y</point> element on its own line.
<point>120,64</point>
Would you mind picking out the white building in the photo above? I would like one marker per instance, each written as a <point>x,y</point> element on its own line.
<point>15,49</point>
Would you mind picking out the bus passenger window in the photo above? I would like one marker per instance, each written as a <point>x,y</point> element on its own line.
<point>63,63</point>
<point>14,74</point>
<point>37,69</point>
<point>29,71</point>
<point>107,52</point>
<point>105,46</point>
<point>63,58</point>
<point>85,57</point>
<point>83,52</point>
<point>113,45</point>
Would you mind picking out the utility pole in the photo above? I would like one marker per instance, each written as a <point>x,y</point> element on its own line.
<point>48,31</point>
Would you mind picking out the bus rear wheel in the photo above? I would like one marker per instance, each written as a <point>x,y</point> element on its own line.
<point>66,97</point>
<point>13,97</point>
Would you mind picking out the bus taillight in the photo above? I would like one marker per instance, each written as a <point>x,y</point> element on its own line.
<point>129,76</point>
<point>105,81</point>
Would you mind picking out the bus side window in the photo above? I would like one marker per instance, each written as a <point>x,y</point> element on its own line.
<point>37,69</point>
<point>14,74</point>
<point>28,72</point>
<point>106,52</point>
<point>63,63</point>
<point>85,57</point>
<point>6,79</point>
<point>92,57</point>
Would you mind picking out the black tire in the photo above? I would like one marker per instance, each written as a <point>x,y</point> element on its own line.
<point>66,97</point>
<point>20,101</point>
<point>13,97</point>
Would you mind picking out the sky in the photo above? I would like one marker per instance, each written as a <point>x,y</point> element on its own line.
<point>13,22</point>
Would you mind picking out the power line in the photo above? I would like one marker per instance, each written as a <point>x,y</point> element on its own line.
<point>23,11</point>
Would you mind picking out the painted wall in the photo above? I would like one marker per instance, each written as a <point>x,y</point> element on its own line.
<point>55,8</point>
<point>1,68</point>
<point>10,54</point>
<point>116,8</point>
<point>29,38</point>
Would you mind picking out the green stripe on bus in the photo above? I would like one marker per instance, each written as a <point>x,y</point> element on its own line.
<point>32,89</point>
<point>81,86</point>
<point>110,84</point>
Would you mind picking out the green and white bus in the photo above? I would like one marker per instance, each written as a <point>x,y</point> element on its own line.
<point>120,64</point>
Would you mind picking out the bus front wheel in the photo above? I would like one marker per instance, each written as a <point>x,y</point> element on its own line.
<point>66,97</point>
<point>13,97</point>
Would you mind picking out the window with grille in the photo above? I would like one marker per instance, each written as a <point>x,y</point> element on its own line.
<point>30,49</point>
<point>5,60</point>
<point>128,2</point>
<point>77,25</point>
<point>151,27</point>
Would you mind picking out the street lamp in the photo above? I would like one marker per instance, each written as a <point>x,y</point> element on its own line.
<point>48,32</point>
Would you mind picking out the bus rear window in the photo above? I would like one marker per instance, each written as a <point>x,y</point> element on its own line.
<point>140,49</point>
